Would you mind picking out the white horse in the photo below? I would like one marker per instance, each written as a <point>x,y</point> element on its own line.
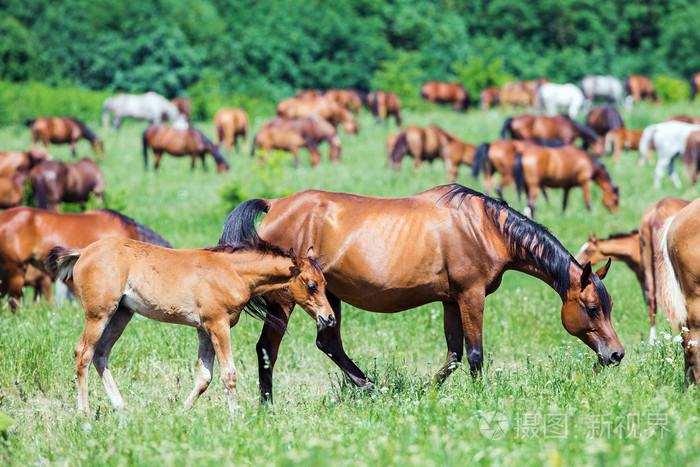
<point>606,87</point>
<point>150,106</point>
<point>669,140</point>
<point>551,96</point>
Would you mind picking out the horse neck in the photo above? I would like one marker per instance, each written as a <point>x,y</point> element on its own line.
<point>262,273</point>
<point>625,249</point>
<point>602,179</point>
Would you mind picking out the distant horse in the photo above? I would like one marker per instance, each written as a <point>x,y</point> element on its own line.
<point>455,153</point>
<point>423,144</point>
<point>551,96</point>
<point>286,139</point>
<point>542,129</point>
<point>694,83</point>
<point>490,97</point>
<point>691,156</point>
<point>604,118</point>
<point>606,87</point>
<point>684,118</point>
<point>61,130</point>
<point>323,107</point>
<point>307,94</point>
<point>54,182</point>
<point>14,170</point>
<point>150,106</point>
<point>27,234</point>
<point>446,93</point>
<point>677,271</point>
<point>230,124</point>
<point>348,98</point>
<point>497,156</point>
<point>390,144</point>
<point>387,255</point>
<point>639,87</point>
<point>537,167</point>
<point>521,93</point>
<point>669,140</point>
<point>383,104</point>
<point>190,142</point>
<point>622,138</point>
<point>203,288</point>
<point>316,128</point>
<point>184,106</point>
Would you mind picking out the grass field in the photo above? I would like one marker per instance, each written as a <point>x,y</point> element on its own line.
<point>540,399</point>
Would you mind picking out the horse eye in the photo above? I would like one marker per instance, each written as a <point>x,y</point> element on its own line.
<point>592,310</point>
<point>311,287</point>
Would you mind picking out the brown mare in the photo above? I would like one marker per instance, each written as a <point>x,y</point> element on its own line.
<point>513,97</point>
<point>622,138</point>
<point>14,170</point>
<point>383,104</point>
<point>54,182</point>
<point>316,128</point>
<point>497,156</point>
<point>348,98</point>
<point>677,269</point>
<point>27,234</point>
<point>694,83</point>
<point>423,144</point>
<point>537,167</point>
<point>446,93</point>
<point>604,118</point>
<point>455,153</point>
<point>286,139</point>
<point>230,124</point>
<point>685,118</point>
<point>640,87</point>
<point>184,106</point>
<point>203,288</point>
<point>307,94</point>
<point>542,129</point>
<point>63,130</point>
<point>448,244</point>
<point>490,97</point>
<point>326,108</point>
<point>691,156</point>
<point>190,142</point>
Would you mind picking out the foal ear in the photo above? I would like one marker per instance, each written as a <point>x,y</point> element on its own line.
<point>586,275</point>
<point>310,252</point>
<point>603,270</point>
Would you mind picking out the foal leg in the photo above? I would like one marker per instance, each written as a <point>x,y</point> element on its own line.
<point>111,334</point>
<point>454,335</point>
<point>220,333</point>
<point>95,324</point>
<point>205,368</point>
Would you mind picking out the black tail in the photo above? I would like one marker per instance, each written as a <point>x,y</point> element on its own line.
<point>30,122</point>
<point>39,188</point>
<point>519,175</point>
<point>481,159</point>
<point>145,148</point>
<point>506,128</point>
<point>240,223</point>
<point>626,86</point>
<point>310,142</point>
<point>400,148</point>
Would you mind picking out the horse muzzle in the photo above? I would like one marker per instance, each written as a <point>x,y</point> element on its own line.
<point>325,322</point>
<point>611,356</point>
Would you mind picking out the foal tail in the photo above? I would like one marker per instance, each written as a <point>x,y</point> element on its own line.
<point>672,297</point>
<point>506,128</point>
<point>519,175</point>
<point>240,223</point>
<point>60,261</point>
<point>30,122</point>
<point>481,159</point>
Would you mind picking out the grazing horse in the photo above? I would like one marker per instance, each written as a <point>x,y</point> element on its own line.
<point>677,269</point>
<point>684,118</point>
<point>390,144</point>
<point>490,97</point>
<point>191,141</point>
<point>622,138</point>
<point>551,96</point>
<point>54,182</point>
<point>449,244</point>
<point>384,103</point>
<point>203,288</point>
<point>691,156</point>
<point>669,140</point>
<point>323,107</point>
<point>497,156</point>
<point>604,118</point>
<point>694,83</point>
<point>14,170</point>
<point>542,129</point>
<point>184,106</point>
<point>455,153</point>
<point>515,97</point>
<point>606,87</point>
<point>348,98</point>
<point>307,94</point>
<point>286,139</point>
<point>316,128</point>
<point>423,144</point>
<point>149,106</point>
<point>639,87</point>
<point>537,167</point>
<point>446,93</point>
<point>63,130</point>
<point>27,234</point>
<point>230,124</point>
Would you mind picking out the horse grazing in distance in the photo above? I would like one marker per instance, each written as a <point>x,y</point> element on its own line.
<point>203,288</point>
<point>307,94</point>
<point>605,87</point>
<point>455,153</point>
<point>551,96</point>
<point>621,138</point>
<point>316,128</point>
<point>446,93</point>
<point>230,124</point>
<point>54,182</point>
<point>669,139</point>
<point>286,139</point>
<point>537,167</point>
<point>694,83</point>
<point>386,255</point>
<point>691,156</point>
<point>515,97</point>
<point>348,98</point>
<point>497,156</point>
<point>542,129</point>
<point>184,106</point>
<point>638,87</point>
<point>684,118</point>
<point>326,108</point>
<point>384,103</point>
<point>14,170</point>
<point>423,144</point>
<point>490,97</point>
<point>604,118</point>
<point>27,234</point>
<point>63,130</point>
<point>150,106</point>
<point>190,142</point>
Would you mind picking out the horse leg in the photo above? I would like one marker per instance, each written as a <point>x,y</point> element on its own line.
<point>586,187</point>
<point>295,153</point>
<point>110,335</point>
<point>15,285</point>
<point>157,155</point>
<point>205,368</point>
<point>471,307</point>
<point>95,323</point>
<point>268,346</point>
<point>454,335</point>
<point>672,174</point>
<point>532,193</point>
<point>194,159</point>
<point>691,340</point>
<point>204,167</point>
<point>72,148</point>
<point>566,198</point>
<point>220,333</point>
<point>659,171</point>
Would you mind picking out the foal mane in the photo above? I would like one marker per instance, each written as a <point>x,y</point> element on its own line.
<point>622,235</point>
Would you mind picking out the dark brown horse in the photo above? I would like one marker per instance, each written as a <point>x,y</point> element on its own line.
<point>324,107</point>
<point>190,142</point>
<point>316,128</point>
<point>604,118</point>
<point>622,138</point>
<point>490,97</point>
<point>384,103</point>
<point>27,234</point>
<point>230,124</point>
<point>448,244</point>
<point>54,182</point>
<point>537,167</point>
<point>286,139</point>
<point>639,87</point>
<point>348,98</point>
<point>63,130</point>
<point>446,93</point>
<point>542,129</point>
<point>423,144</point>
<point>184,106</point>
<point>14,170</point>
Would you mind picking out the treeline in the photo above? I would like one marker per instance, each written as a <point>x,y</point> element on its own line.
<point>270,48</point>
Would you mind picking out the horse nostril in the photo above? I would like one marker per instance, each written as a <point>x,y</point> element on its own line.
<point>616,357</point>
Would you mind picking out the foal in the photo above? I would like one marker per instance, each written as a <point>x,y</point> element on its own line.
<point>203,288</point>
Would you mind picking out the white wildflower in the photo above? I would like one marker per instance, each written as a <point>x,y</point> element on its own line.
<point>667,336</point>
<point>669,360</point>
<point>677,339</point>
<point>692,344</point>
<point>684,329</point>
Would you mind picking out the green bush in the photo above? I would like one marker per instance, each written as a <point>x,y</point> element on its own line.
<point>481,72</point>
<point>670,89</point>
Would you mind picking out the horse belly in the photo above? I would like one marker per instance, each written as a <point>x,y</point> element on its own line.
<point>170,310</point>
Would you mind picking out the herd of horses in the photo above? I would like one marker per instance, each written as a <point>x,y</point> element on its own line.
<point>412,256</point>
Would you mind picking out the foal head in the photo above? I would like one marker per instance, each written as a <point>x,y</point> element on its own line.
<point>590,251</point>
<point>308,288</point>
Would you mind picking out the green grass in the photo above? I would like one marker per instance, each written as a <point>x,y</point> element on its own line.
<point>537,376</point>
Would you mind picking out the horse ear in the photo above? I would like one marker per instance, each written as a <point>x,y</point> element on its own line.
<point>310,252</point>
<point>293,257</point>
<point>603,270</point>
<point>586,275</point>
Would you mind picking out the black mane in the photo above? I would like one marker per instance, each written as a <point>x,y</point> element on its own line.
<point>623,234</point>
<point>87,132</point>
<point>145,234</point>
